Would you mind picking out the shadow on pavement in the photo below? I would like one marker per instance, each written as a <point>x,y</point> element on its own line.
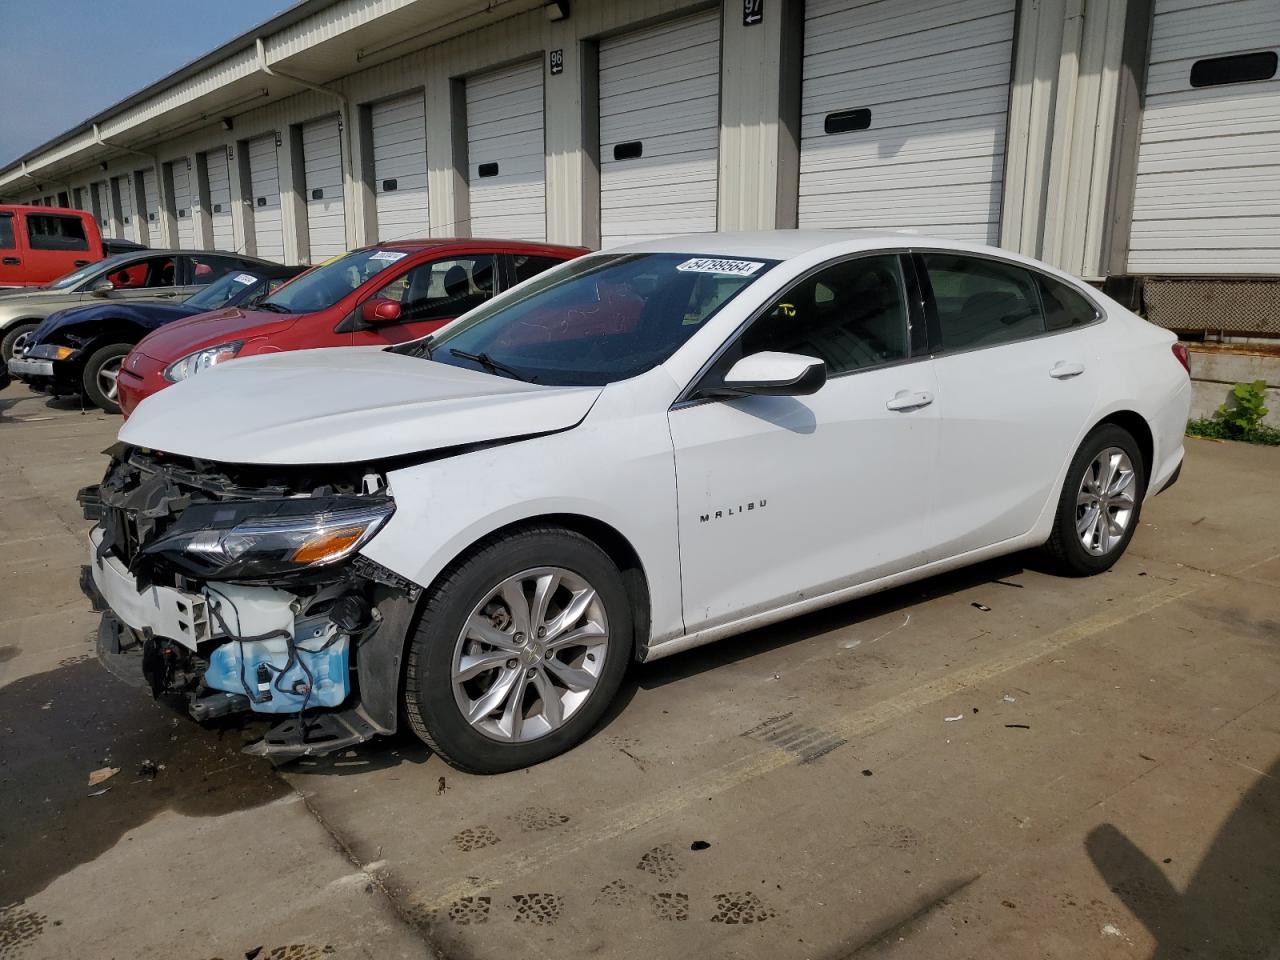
<point>1231,906</point>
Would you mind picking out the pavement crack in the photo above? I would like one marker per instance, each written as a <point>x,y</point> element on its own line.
<point>901,925</point>
<point>402,913</point>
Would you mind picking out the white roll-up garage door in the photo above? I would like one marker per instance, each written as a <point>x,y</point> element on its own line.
<point>149,212</point>
<point>506,156</point>
<point>399,130</point>
<point>219,174</point>
<point>904,110</point>
<point>1207,198</point>
<point>264,186</point>
<point>125,227</point>
<point>322,170</point>
<point>182,212</point>
<point>98,197</point>
<point>660,130</point>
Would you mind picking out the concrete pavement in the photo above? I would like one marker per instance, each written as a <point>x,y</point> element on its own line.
<point>1113,789</point>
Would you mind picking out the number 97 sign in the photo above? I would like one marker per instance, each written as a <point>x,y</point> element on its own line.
<point>752,12</point>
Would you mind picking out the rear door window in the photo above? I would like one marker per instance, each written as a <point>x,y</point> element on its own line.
<point>980,302</point>
<point>527,266</point>
<point>46,232</point>
<point>202,270</point>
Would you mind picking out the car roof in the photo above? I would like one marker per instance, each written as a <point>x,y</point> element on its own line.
<point>146,252</point>
<point>41,208</point>
<point>497,246</point>
<point>786,244</point>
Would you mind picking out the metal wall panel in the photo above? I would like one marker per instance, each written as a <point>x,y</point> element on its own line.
<point>399,132</point>
<point>219,174</point>
<point>934,77</point>
<point>322,170</point>
<point>182,204</point>
<point>506,161</point>
<point>660,130</point>
<point>1207,199</point>
<point>264,188</point>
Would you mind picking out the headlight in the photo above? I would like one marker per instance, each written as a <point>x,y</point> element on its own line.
<point>253,539</point>
<point>49,351</point>
<point>193,363</point>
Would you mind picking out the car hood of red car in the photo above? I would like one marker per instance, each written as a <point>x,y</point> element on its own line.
<point>175,340</point>
<point>344,405</point>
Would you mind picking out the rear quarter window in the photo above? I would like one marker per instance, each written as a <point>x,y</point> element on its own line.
<point>1064,307</point>
<point>45,232</point>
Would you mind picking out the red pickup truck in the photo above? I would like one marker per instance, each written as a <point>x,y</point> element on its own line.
<point>39,244</point>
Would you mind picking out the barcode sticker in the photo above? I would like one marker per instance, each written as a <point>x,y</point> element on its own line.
<point>392,255</point>
<point>245,278</point>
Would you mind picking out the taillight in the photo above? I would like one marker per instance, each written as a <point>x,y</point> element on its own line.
<point>1184,356</point>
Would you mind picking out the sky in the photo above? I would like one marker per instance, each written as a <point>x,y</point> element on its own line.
<point>62,61</point>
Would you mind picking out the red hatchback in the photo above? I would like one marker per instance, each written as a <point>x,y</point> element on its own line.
<point>382,294</point>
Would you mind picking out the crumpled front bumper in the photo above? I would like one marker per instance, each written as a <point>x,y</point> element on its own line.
<point>160,637</point>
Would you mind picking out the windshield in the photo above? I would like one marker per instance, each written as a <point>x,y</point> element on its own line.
<point>223,291</point>
<point>323,286</point>
<point>598,319</point>
<point>75,276</point>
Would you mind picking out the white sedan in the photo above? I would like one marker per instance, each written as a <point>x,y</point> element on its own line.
<point>638,452</point>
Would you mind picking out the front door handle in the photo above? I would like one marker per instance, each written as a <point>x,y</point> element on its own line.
<point>12,262</point>
<point>904,400</point>
<point>1065,371</point>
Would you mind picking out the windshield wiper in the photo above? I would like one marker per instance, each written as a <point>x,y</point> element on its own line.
<point>273,308</point>
<point>490,364</point>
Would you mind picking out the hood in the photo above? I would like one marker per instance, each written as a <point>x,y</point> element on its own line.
<point>344,405</point>
<point>175,340</point>
<point>145,314</point>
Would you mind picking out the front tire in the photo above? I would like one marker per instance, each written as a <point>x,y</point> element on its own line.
<point>101,371</point>
<point>521,646</point>
<point>14,340</point>
<point>1101,503</point>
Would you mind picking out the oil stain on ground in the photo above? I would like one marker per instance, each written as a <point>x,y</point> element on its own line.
<point>57,727</point>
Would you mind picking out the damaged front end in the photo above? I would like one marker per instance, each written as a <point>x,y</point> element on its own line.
<point>240,588</point>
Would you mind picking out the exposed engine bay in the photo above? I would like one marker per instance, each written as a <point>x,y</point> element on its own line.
<point>240,590</point>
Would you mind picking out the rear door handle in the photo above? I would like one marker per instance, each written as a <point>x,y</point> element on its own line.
<point>1065,371</point>
<point>904,400</point>
<point>12,262</point>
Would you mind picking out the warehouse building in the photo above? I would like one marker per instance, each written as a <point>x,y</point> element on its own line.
<point>1132,142</point>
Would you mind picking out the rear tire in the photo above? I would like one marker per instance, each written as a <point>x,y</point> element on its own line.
<point>1100,505</point>
<point>540,612</point>
<point>100,373</point>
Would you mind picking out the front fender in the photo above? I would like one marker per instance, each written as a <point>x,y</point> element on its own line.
<point>616,469</point>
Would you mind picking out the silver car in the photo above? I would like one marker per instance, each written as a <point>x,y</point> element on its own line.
<point>138,275</point>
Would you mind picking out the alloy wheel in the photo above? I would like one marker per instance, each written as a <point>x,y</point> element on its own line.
<point>530,654</point>
<point>19,344</point>
<point>1105,501</point>
<point>107,376</point>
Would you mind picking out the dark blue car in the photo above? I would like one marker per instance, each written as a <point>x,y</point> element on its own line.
<point>79,350</point>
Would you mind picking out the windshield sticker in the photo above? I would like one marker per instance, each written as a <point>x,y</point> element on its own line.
<point>391,255</point>
<point>736,268</point>
<point>245,278</point>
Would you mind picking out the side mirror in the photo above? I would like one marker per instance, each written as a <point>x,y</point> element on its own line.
<point>379,311</point>
<point>774,375</point>
<point>102,288</point>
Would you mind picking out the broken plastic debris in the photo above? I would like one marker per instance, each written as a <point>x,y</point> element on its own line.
<point>101,774</point>
<point>699,845</point>
<point>981,606</point>
<point>958,716</point>
<point>1111,930</point>
<point>98,793</point>
<point>1018,726</point>
<point>1008,699</point>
